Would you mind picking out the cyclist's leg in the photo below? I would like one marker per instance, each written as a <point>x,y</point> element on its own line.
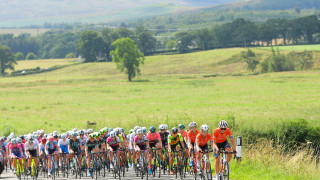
<point>227,148</point>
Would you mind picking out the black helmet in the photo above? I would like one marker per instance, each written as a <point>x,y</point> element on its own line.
<point>174,130</point>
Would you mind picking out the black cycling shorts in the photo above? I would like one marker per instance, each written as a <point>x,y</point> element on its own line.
<point>225,145</point>
<point>33,153</point>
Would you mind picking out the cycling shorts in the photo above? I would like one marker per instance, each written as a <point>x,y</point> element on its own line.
<point>33,153</point>
<point>51,151</point>
<point>204,148</point>
<point>115,148</point>
<point>225,145</point>
<point>64,149</point>
<point>18,154</point>
<point>142,147</point>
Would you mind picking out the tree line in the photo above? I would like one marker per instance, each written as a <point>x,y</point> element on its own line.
<point>239,32</point>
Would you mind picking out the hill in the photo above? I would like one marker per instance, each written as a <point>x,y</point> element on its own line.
<point>35,12</point>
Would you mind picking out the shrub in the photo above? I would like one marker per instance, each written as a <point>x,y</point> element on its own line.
<point>31,56</point>
<point>19,56</point>
<point>70,55</point>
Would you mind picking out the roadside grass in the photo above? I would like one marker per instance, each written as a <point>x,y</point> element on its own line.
<point>264,161</point>
<point>42,63</point>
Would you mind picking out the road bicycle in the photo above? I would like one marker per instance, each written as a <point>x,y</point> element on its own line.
<point>225,167</point>
<point>205,171</point>
<point>156,165</point>
<point>142,165</point>
<point>178,163</point>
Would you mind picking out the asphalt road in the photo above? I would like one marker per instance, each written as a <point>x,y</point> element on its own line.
<point>129,175</point>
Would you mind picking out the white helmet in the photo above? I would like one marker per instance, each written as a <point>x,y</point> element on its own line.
<point>89,131</point>
<point>63,136</point>
<point>41,131</point>
<point>55,133</point>
<point>205,128</point>
<point>192,124</point>
<point>165,127</point>
<point>162,127</point>
<point>74,130</point>
<point>113,134</point>
<point>223,124</point>
<point>139,131</point>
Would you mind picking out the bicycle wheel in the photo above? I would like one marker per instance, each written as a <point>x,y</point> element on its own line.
<point>208,171</point>
<point>154,166</point>
<point>226,171</point>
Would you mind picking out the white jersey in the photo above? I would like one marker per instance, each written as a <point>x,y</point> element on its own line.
<point>63,143</point>
<point>42,146</point>
<point>83,140</point>
<point>28,146</point>
<point>132,136</point>
<point>36,142</point>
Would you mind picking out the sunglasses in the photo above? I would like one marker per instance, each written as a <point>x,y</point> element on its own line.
<point>174,133</point>
<point>223,129</point>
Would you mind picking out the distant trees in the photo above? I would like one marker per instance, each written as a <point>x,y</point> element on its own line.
<point>19,56</point>
<point>127,57</point>
<point>90,45</point>
<point>183,40</point>
<point>250,58</point>
<point>7,59</point>
<point>277,63</point>
<point>70,55</point>
<point>144,40</point>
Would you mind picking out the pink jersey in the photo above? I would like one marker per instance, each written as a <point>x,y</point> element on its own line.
<point>11,146</point>
<point>184,134</point>
<point>153,138</point>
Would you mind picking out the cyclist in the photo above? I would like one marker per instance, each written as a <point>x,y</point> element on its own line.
<point>202,143</point>
<point>113,144</point>
<point>141,143</point>
<point>51,149</point>
<point>83,140</point>
<point>220,142</point>
<point>16,152</point>
<point>154,142</point>
<point>130,153</point>
<point>175,142</point>
<point>42,148</point>
<point>100,142</point>
<point>131,144</point>
<point>63,147</point>
<point>75,146</point>
<point>184,135</point>
<point>164,134</point>
<point>91,146</point>
<point>31,151</point>
<point>191,136</point>
<point>89,131</point>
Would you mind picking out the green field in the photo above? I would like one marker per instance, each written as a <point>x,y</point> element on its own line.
<point>315,47</point>
<point>172,90</point>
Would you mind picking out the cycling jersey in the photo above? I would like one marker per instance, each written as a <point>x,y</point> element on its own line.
<point>219,137</point>
<point>184,134</point>
<point>164,137</point>
<point>91,145</point>
<point>153,138</point>
<point>83,140</point>
<point>63,144</point>
<point>74,144</point>
<point>120,137</point>
<point>30,146</point>
<point>203,141</point>
<point>113,141</point>
<point>192,136</point>
<point>141,141</point>
<point>132,136</point>
<point>52,144</point>
<point>15,150</point>
<point>175,140</point>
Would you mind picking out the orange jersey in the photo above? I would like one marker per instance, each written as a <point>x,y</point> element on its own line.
<point>192,136</point>
<point>219,137</point>
<point>201,141</point>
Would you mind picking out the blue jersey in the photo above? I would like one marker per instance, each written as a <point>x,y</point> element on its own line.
<point>52,145</point>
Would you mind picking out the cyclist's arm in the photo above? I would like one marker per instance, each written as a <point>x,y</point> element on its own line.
<point>197,145</point>
<point>233,143</point>
<point>181,141</point>
<point>215,145</point>
<point>21,152</point>
<point>86,151</point>
<point>148,146</point>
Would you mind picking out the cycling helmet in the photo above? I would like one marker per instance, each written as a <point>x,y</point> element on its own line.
<point>12,134</point>
<point>51,138</point>
<point>46,135</point>
<point>41,131</point>
<point>205,128</point>
<point>55,133</point>
<point>223,124</point>
<point>174,130</point>
<point>113,134</point>
<point>91,135</point>
<point>21,137</point>
<point>74,130</point>
<point>81,132</point>
<point>106,128</point>
<point>192,124</point>
<point>98,134</point>
<point>131,131</point>
<point>13,141</point>
<point>74,134</point>
<point>30,140</point>
<point>111,129</point>
<point>121,130</point>
<point>162,127</point>
<point>89,131</point>
<point>181,126</point>
<point>44,140</point>
<point>136,128</point>
<point>166,127</point>
<point>152,129</point>
<point>144,129</point>
<point>19,140</point>
<point>101,131</point>
<point>63,136</point>
<point>139,131</point>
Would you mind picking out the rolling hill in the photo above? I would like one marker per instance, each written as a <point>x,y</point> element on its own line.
<point>17,13</point>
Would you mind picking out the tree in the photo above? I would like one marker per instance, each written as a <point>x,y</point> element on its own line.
<point>7,60</point>
<point>127,57</point>
<point>70,55</point>
<point>145,42</point>
<point>250,56</point>
<point>90,45</point>
<point>183,41</point>
<point>31,56</point>
<point>204,38</point>
<point>19,56</point>
<point>305,60</point>
<point>171,44</point>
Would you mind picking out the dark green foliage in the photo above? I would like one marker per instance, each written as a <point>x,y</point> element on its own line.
<point>7,59</point>
<point>24,43</point>
<point>183,41</point>
<point>144,40</point>
<point>19,56</point>
<point>302,60</point>
<point>31,56</point>
<point>90,45</point>
<point>250,58</point>
<point>6,129</point>
<point>127,57</point>
<point>277,63</point>
<point>70,55</point>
